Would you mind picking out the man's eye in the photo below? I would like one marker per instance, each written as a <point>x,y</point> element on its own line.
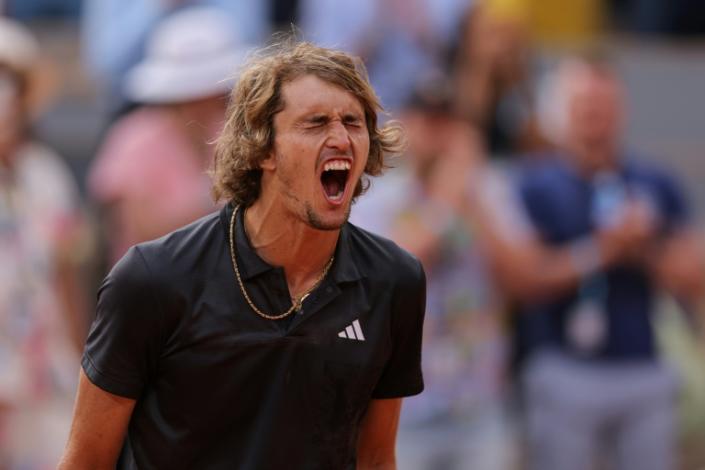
<point>316,123</point>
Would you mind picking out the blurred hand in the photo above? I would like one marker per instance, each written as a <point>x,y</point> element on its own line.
<point>420,239</point>
<point>461,154</point>
<point>630,239</point>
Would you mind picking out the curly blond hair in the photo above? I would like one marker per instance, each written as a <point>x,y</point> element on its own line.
<point>248,134</point>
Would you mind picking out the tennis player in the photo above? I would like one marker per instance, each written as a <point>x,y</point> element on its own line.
<point>272,334</point>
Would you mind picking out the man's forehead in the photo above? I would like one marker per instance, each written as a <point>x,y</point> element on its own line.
<point>309,92</point>
<point>584,78</point>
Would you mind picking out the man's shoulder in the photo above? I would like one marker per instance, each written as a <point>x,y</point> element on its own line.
<point>544,169</point>
<point>184,249</point>
<point>540,180</point>
<point>644,170</point>
<point>380,257</point>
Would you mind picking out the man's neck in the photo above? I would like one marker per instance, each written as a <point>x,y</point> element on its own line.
<point>591,161</point>
<point>281,239</point>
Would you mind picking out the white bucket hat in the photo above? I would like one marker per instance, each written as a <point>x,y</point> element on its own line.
<point>20,52</point>
<point>192,54</point>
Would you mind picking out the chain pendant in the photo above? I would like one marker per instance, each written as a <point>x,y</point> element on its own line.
<point>295,305</point>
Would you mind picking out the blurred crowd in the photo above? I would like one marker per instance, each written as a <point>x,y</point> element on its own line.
<point>565,324</point>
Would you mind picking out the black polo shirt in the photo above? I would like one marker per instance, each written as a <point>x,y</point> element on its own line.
<point>218,386</point>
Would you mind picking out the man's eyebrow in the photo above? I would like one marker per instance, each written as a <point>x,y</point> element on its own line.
<point>315,118</point>
<point>323,118</point>
<point>352,116</point>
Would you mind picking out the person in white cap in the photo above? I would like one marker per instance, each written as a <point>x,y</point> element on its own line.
<point>150,173</point>
<point>41,227</point>
<point>114,34</point>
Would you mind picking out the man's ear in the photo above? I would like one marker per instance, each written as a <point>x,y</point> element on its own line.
<point>269,163</point>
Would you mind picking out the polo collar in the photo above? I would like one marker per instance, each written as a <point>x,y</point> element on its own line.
<point>250,264</point>
<point>345,269</point>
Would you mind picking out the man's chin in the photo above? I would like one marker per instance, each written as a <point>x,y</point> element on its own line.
<point>327,222</point>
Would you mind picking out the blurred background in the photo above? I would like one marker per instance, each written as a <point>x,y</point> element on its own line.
<point>519,113</point>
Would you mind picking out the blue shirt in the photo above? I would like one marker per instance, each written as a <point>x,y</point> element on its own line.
<point>564,207</point>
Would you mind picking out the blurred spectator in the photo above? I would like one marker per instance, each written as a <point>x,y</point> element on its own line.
<point>116,32</point>
<point>400,40</point>
<point>35,9</point>
<point>283,14</point>
<point>609,231</point>
<point>550,22</point>
<point>460,420</point>
<point>674,17</point>
<point>491,66</point>
<point>42,243</point>
<point>150,174</point>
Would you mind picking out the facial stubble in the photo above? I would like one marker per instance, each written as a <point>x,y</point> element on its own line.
<point>310,216</point>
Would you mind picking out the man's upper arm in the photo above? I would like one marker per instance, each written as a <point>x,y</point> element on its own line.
<point>679,262</point>
<point>378,431</point>
<point>121,352</point>
<point>679,265</point>
<point>125,339</point>
<point>675,208</point>
<point>99,424</point>
<point>402,373</point>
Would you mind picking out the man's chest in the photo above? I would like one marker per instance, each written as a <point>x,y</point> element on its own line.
<point>321,368</point>
<point>568,209</point>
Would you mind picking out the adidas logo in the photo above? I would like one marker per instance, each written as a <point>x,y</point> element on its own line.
<point>352,331</point>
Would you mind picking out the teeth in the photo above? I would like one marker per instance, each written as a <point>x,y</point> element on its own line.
<point>337,165</point>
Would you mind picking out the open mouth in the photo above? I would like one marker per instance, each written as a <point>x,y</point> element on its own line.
<point>334,179</point>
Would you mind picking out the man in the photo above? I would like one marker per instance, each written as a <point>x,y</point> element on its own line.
<point>609,231</point>
<point>272,334</point>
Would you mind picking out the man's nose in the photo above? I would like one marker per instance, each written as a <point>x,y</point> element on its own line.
<point>338,137</point>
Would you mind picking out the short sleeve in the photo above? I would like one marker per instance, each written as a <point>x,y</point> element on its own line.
<point>402,374</point>
<point>124,342</point>
<point>674,204</point>
<point>533,201</point>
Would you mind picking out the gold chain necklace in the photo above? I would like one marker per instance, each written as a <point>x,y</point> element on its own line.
<point>295,304</point>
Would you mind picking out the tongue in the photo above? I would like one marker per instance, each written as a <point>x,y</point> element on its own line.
<point>332,187</point>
